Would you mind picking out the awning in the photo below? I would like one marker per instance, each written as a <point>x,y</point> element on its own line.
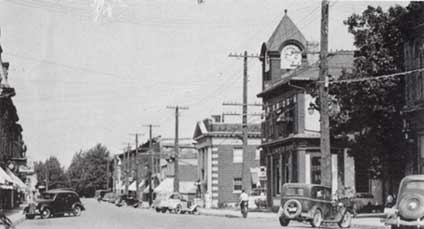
<point>167,186</point>
<point>18,182</point>
<point>4,177</point>
<point>132,187</point>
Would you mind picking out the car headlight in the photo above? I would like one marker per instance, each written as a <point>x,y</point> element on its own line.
<point>340,204</point>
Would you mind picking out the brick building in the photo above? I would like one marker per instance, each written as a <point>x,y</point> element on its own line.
<point>414,95</point>
<point>290,130</point>
<point>220,160</point>
<point>12,148</point>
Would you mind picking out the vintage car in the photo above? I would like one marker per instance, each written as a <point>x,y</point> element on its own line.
<point>366,203</point>
<point>55,202</point>
<point>408,211</point>
<point>126,200</point>
<point>174,202</point>
<point>312,203</point>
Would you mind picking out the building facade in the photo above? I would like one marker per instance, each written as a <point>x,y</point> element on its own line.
<point>414,96</point>
<point>290,128</point>
<point>12,148</point>
<point>220,160</point>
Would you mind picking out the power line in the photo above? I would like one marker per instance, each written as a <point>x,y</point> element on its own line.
<point>377,77</point>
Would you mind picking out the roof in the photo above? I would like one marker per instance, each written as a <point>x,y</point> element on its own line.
<point>209,128</point>
<point>286,30</point>
<point>413,177</point>
<point>337,62</point>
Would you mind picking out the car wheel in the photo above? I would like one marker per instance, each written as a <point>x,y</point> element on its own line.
<point>157,210</point>
<point>284,221</point>
<point>346,220</point>
<point>178,209</point>
<point>29,216</point>
<point>195,211</point>
<point>77,210</point>
<point>163,210</point>
<point>317,218</point>
<point>46,213</point>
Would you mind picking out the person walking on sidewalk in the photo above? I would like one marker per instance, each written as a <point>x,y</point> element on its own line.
<point>244,200</point>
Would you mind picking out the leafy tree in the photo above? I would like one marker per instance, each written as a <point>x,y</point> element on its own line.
<point>88,170</point>
<point>369,113</point>
<point>53,171</point>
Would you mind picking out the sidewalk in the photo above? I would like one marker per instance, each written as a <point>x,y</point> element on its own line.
<point>369,222</point>
<point>16,216</point>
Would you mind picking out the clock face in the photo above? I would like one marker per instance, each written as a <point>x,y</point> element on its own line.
<point>291,57</point>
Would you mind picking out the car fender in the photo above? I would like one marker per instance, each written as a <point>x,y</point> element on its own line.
<point>194,206</point>
<point>44,206</point>
<point>78,204</point>
<point>313,209</point>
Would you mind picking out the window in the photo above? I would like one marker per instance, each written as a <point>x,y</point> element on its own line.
<point>237,155</point>
<point>237,184</point>
<point>258,154</point>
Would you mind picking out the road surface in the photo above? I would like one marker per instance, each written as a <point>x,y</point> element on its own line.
<point>107,216</point>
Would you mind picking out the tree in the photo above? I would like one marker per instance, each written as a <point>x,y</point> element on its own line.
<point>369,113</point>
<point>53,171</point>
<point>88,170</point>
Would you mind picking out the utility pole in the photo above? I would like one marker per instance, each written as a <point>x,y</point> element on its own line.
<point>326,176</point>
<point>176,147</point>
<point>137,180</point>
<point>150,172</point>
<point>245,172</point>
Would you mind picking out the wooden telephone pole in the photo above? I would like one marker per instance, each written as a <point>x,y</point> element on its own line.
<point>245,169</point>
<point>326,176</point>
<point>176,147</point>
<point>150,172</point>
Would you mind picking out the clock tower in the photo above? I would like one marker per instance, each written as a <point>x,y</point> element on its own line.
<point>283,52</point>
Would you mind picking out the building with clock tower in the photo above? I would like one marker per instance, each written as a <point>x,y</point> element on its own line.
<point>290,147</point>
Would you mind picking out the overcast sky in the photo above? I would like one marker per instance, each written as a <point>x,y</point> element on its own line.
<point>81,81</point>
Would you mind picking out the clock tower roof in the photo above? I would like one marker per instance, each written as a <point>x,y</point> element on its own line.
<point>286,31</point>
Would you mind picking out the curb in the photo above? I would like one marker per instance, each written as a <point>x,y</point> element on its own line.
<point>362,226</point>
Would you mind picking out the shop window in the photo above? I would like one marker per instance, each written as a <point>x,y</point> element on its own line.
<point>237,184</point>
<point>237,155</point>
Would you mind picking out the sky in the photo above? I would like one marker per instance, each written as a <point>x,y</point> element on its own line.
<point>82,78</point>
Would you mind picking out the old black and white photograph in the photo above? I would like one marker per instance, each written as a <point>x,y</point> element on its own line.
<point>225,114</point>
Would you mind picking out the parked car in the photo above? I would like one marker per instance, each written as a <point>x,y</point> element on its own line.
<point>408,211</point>
<point>55,202</point>
<point>126,200</point>
<point>313,204</point>
<point>110,197</point>
<point>99,194</point>
<point>174,202</point>
<point>365,202</point>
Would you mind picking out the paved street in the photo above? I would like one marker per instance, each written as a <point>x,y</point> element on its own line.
<point>105,215</point>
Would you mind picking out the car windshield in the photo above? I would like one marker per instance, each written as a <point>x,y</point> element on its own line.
<point>295,191</point>
<point>47,196</point>
<point>414,185</point>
